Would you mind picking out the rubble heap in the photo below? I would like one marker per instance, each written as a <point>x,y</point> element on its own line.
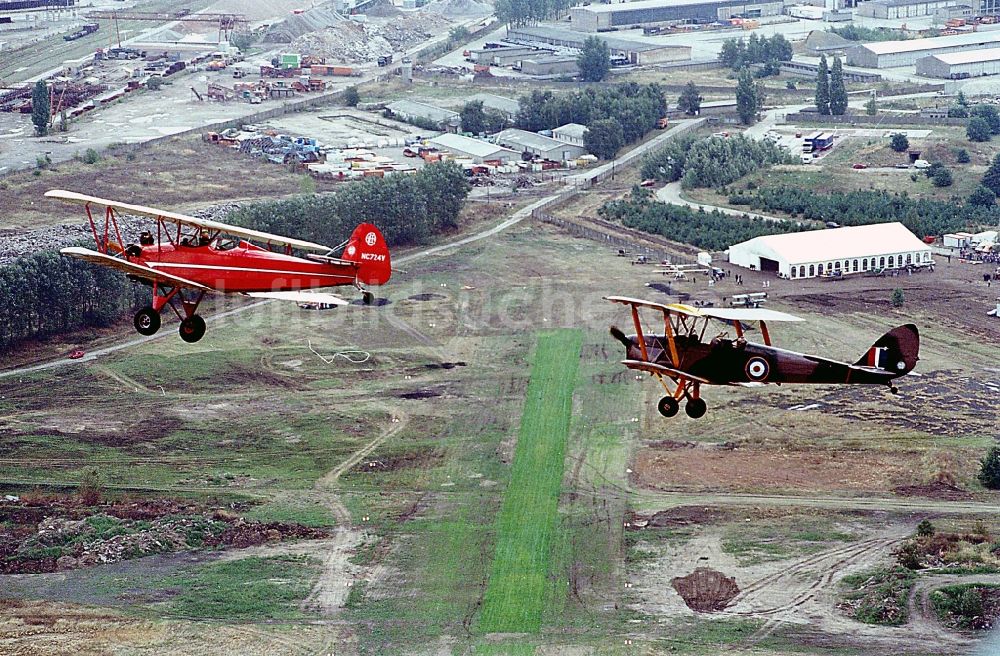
<point>459,8</point>
<point>355,43</point>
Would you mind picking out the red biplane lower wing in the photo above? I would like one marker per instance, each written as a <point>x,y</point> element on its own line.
<point>664,371</point>
<point>137,270</point>
<point>301,297</point>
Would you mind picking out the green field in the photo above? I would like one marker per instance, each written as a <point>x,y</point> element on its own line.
<point>514,599</point>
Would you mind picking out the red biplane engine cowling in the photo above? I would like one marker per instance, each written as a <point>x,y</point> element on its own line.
<point>367,246</point>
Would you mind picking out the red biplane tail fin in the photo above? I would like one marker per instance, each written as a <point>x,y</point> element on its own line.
<point>367,247</point>
<point>896,351</point>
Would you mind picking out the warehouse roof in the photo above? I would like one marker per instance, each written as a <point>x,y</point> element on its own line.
<point>526,139</point>
<point>572,130</point>
<point>501,103</point>
<point>655,4</point>
<point>836,244</point>
<point>474,147</point>
<point>916,45</point>
<point>576,39</point>
<point>420,109</point>
<point>969,57</point>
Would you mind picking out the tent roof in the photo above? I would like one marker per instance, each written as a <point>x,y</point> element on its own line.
<point>836,244</point>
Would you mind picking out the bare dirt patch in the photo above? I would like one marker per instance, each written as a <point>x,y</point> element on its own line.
<point>706,590</point>
<point>751,469</point>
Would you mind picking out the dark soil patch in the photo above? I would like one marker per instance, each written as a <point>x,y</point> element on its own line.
<point>706,590</point>
<point>421,394</point>
<point>684,516</point>
<point>424,459</point>
<point>426,297</point>
<point>377,302</point>
<point>445,365</point>
<point>935,490</point>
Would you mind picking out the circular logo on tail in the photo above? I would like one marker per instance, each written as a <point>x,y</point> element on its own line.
<point>371,238</point>
<point>757,369</point>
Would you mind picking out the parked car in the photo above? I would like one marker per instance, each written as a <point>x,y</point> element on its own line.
<point>77,354</point>
<point>860,166</point>
<point>647,183</point>
<point>921,164</point>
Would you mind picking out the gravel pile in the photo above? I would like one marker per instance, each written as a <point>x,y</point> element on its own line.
<point>459,8</point>
<point>351,42</point>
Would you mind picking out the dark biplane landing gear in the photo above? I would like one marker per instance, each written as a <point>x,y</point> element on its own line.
<point>893,389</point>
<point>696,408</point>
<point>668,406</point>
<point>367,297</point>
<point>192,329</point>
<point>147,321</point>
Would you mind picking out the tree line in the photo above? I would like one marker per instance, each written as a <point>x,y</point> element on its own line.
<point>739,53</point>
<point>714,231</point>
<point>518,13</point>
<point>922,216</point>
<point>711,161</point>
<point>45,294</point>
<point>631,108</point>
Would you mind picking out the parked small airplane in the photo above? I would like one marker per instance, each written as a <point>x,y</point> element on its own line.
<point>191,257</point>
<point>682,355</point>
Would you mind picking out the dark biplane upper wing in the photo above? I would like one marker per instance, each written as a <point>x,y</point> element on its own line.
<point>659,369</point>
<point>137,270</point>
<point>674,308</point>
<point>185,220</point>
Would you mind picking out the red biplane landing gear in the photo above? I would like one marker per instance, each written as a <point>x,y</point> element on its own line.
<point>367,297</point>
<point>668,406</point>
<point>696,408</point>
<point>147,321</point>
<point>192,328</point>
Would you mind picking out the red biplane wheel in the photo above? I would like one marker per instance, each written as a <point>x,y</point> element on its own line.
<point>192,329</point>
<point>668,406</point>
<point>147,321</point>
<point>368,298</point>
<point>696,408</point>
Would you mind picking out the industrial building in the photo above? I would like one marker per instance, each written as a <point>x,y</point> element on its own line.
<point>477,150</point>
<point>507,55</point>
<point>506,107</point>
<point>876,247</point>
<point>961,65</point>
<point>896,9</point>
<point>635,52</point>
<point>548,66</point>
<point>541,146</point>
<point>571,133</point>
<point>599,17</point>
<point>407,110</point>
<point>890,54</point>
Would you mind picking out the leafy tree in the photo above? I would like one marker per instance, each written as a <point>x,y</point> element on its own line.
<point>962,156</point>
<point>978,129</point>
<point>352,96</point>
<point>897,297</point>
<point>982,197</point>
<point>958,111</point>
<point>838,92</point>
<point>594,60</point>
<point>942,177</point>
<point>988,113</point>
<point>242,40</point>
<point>779,49</point>
<point>473,117</point>
<point>991,179</point>
<point>989,469</point>
<point>154,83</point>
<point>899,142</point>
<point>41,109</point>
<point>871,109</point>
<point>823,87</point>
<point>604,138</point>
<point>737,53</point>
<point>711,162</point>
<point>925,528</point>
<point>749,98</point>
<point>690,100</point>
<point>733,53</point>
<point>960,99</point>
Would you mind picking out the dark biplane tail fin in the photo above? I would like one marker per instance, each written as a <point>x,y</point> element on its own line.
<point>617,333</point>
<point>896,351</point>
<point>367,247</point>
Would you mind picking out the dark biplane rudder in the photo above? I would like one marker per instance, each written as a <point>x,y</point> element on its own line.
<point>896,351</point>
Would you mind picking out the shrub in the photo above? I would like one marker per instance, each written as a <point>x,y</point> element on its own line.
<point>91,156</point>
<point>925,529</point>
<point>942,177</point>
<point>897,297</point>
<point>91,488</point>
<point>899,142</point>
<point>989,469</point>
<point>962,156</point>
<point>978,129</point>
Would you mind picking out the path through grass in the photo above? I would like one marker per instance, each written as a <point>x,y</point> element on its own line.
<point>515,594</point>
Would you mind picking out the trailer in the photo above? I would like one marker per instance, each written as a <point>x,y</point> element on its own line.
<point>817,142</point>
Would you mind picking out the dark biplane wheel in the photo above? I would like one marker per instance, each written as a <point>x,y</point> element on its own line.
<point>147,321</point>
<point>696,408</point>
<point>668,406</point>
<point>893,389</point>
<point>368,298</point>
<point>192,329</point>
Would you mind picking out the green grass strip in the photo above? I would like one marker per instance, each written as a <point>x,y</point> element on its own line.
<point>527,521</point>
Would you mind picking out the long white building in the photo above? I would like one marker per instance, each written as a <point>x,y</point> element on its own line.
<point>817,252</point>
<point>961,65</point>
<point>890,54</point>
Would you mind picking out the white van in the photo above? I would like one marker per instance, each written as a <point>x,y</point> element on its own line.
<point>807,158</point>
<point>921,164</point>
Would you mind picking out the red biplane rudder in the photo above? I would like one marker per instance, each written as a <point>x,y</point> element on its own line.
<point>367,246</point>
<point>896,351</point>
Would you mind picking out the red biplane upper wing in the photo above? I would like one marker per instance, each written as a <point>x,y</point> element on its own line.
<point>137,270</point>
<point>183,219</point>
<point>654,368</point>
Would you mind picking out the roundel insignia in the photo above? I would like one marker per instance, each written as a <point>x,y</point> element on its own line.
<point>757,369</point>
<point>371,238</point>
<point>350,250</point>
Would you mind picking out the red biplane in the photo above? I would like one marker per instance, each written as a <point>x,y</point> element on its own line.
<point>683,355</point>
<point>190,257</point>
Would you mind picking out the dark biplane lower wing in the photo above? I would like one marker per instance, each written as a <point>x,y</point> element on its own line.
<point>659,369</point>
